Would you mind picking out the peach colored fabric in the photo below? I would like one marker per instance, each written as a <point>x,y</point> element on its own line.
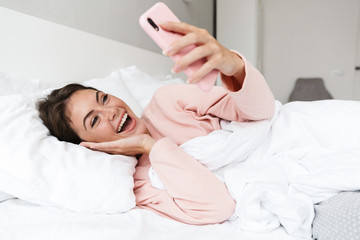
<point>178,113</point>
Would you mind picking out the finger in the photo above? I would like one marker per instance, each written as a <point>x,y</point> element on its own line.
<point>192,36</point>
<point>193,56</point>
<point>181,44</point>
<point>178,27</point>
<point>86,144</point>
<point>92,146</point>
<point>201,72</point>
<point>105,146</point>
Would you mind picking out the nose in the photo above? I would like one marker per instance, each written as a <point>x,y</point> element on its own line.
<point>110,113</point>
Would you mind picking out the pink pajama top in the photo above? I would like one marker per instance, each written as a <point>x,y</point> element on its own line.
<point>177,113</point>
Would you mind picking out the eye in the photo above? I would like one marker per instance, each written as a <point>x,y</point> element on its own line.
<point>94,120</point>
<point>104,99</point>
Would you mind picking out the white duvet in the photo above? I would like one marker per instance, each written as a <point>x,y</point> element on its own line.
<point>277,169</point>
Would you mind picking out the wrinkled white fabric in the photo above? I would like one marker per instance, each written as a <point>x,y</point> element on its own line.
<point>308,152</point>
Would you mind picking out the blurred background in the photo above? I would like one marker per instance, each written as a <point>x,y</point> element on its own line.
<point>306,49</point>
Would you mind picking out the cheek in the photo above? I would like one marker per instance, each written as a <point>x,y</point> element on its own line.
<point>103,129</point>
<point>101,133</point>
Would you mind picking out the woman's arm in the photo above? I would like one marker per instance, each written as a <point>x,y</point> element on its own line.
<point>245,84</point>
<point>193,195</point>
<point>218,57</point>
<point>197,195</point>
<point>131,146</point>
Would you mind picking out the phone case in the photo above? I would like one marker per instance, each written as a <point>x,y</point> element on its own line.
<point>150,20</point>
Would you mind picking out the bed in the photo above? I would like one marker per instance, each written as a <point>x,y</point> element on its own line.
<point>70,195</point>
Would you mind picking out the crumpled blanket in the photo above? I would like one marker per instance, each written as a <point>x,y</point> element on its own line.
<point>277,169</point>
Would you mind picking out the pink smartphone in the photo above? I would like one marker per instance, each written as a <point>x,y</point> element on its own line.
<point>150,20</point>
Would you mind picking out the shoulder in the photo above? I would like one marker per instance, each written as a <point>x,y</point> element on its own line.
<point>165,97</point>
<point>173,94</point>
<point>172,91</point>
<point>185,92</point>
<point>182,96</point>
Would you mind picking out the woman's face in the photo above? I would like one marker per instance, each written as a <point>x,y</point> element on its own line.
<point>99,117</point>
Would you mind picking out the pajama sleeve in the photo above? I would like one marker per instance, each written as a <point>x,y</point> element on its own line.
<point>254,101</point>
<point>198,197</point>
<point>177,113</point>
<point>187,105</point>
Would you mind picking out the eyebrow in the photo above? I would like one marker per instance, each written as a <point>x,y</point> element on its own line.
<point>89,113</point>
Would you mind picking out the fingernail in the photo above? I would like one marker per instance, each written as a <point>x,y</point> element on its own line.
<point>167,51</point>
<point>189,80</point>
<point>175,69</point>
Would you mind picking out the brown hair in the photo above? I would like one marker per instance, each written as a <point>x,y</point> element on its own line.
<point>52,112</point>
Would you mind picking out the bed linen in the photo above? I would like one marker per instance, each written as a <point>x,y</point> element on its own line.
<point>37,167</point>
<point>338,217</point>
<point>26,220</point>
<point>20,220</point>
<point>41,49</point>
<point>278,169</point>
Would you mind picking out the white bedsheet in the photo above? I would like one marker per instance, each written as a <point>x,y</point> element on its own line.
<point>20,220</point>
<point>277,169</point>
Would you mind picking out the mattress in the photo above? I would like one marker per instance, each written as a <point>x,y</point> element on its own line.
<point>22,220</point>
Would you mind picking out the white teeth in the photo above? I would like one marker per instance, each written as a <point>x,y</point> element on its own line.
<point>122,122</point>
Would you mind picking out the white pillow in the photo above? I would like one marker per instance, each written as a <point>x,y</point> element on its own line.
<point>141,85</point>
<point>5,196</point>
<point>13,83</point>
<point>39,168</point>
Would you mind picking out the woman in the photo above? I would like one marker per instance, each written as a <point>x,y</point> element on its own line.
<point>176,114</point>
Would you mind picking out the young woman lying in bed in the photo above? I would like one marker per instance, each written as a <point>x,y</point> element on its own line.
<point>102,122</point>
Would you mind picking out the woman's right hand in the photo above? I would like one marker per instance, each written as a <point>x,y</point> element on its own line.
<point>218,57</point>
<point>131,146</point>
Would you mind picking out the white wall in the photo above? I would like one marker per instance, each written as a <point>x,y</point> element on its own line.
<point>116,20</point>
<point>237,27</point>
<point>293,39</point>
<point>53,53</point>
<point>307,38</point>
<point>357,73</point>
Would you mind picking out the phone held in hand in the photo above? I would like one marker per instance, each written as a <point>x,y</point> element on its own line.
<point>150,20</point>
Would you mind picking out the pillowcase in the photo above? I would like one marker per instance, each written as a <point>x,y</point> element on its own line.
<point>41,169</point>
<point>4,197</point>
<point>338,217</point>
<point>13,83</point>
<point>141,85</point>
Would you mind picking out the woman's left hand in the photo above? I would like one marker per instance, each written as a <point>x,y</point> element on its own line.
<point>131,146</point>
<point>218,57</point>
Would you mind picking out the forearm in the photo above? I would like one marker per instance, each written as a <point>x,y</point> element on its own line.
<point>250,91</point>
<point>193,187</point>
<point>234,79</point>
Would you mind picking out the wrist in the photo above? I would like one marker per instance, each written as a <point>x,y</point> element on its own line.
<point>234,80</point>
<point>148,143</point>
<point>239,68</point>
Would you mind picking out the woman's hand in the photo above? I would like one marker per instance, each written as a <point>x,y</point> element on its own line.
<point>133,145</point>
<point>218,57</point>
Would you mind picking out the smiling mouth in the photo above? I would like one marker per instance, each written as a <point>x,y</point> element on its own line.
<point>125,124</point>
